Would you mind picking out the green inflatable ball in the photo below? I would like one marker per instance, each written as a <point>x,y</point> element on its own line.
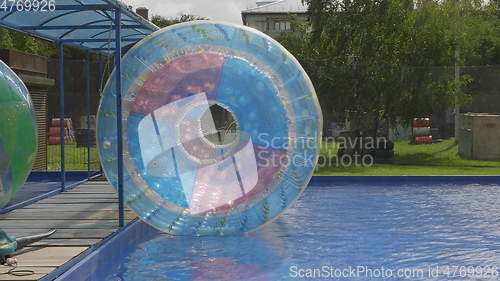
<point>18,136</point>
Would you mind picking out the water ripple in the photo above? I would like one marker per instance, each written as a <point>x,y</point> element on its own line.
<point>397,227</point>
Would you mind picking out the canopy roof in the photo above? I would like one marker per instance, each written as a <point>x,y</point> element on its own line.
<point>84,24</point>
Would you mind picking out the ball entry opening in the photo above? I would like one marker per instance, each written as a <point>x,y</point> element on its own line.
<point>227,128</point>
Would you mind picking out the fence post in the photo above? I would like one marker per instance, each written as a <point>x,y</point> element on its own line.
<point>101,80</point>
<point>87,93</point>
<point>62,125</point>
<point>118,74</point>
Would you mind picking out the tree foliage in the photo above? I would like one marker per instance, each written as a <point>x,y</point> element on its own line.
<point>21,42</point>
<point>162,22</point>
<point>393,59</point>
<point>5,39</point>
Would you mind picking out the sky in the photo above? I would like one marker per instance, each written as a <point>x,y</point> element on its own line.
<point>220,10</point>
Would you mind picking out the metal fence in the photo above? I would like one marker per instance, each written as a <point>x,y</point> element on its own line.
<point>80,135</point>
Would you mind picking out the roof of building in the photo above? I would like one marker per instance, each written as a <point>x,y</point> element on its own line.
<point>281,6</point>
<point>84,24</point>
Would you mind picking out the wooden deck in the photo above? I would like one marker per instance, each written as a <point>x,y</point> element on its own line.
<point>82,216</point>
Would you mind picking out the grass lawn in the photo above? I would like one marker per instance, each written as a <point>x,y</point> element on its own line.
<point>76,158</point>
<point>430,159</point>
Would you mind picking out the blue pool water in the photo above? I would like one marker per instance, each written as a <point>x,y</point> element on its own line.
<point>404,231</point>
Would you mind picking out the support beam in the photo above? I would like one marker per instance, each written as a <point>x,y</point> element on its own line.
<point>118,75</point>
<point>86,7</point>
<point>111,49</point>
<point>101,76</point>
<point>87,108</point>
<point>99,40</point>
<point>457,100</point>
<point>77,27</point>
<point>62,115</point>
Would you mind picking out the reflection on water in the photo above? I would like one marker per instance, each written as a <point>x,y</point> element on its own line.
<point>210,258</point>
<point>397,227</point>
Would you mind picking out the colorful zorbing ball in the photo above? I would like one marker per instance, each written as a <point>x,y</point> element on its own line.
<point>221,129</point>
<point>18,139</point>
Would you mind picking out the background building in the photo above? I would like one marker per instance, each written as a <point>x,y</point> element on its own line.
<point>275,17</point>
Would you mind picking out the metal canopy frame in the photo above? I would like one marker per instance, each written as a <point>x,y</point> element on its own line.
<point>108,24</point>
<point>84,24</point>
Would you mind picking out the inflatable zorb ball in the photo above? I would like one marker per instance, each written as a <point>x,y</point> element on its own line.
<point>221,129</point>
<point>18,139</point>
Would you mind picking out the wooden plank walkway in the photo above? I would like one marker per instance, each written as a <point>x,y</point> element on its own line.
<point>82,216</point>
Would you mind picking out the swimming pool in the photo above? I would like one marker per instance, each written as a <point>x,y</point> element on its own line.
<point>351,231</point>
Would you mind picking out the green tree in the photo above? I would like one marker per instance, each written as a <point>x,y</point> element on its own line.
<point>162,22</point>
<point>31,46</point>
<point>21,42</point>
<point>389,59</point>
<point>5,39</point>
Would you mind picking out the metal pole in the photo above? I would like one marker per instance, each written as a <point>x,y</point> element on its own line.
<point>101,73</point>
<point>101,78</point>
<point>61,115</point>
<point>87,92</point>
<point>118,74</point>
<point>457,101</point>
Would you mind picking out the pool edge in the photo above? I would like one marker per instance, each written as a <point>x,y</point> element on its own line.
<point>85,266</point>
<point>381,180</point>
